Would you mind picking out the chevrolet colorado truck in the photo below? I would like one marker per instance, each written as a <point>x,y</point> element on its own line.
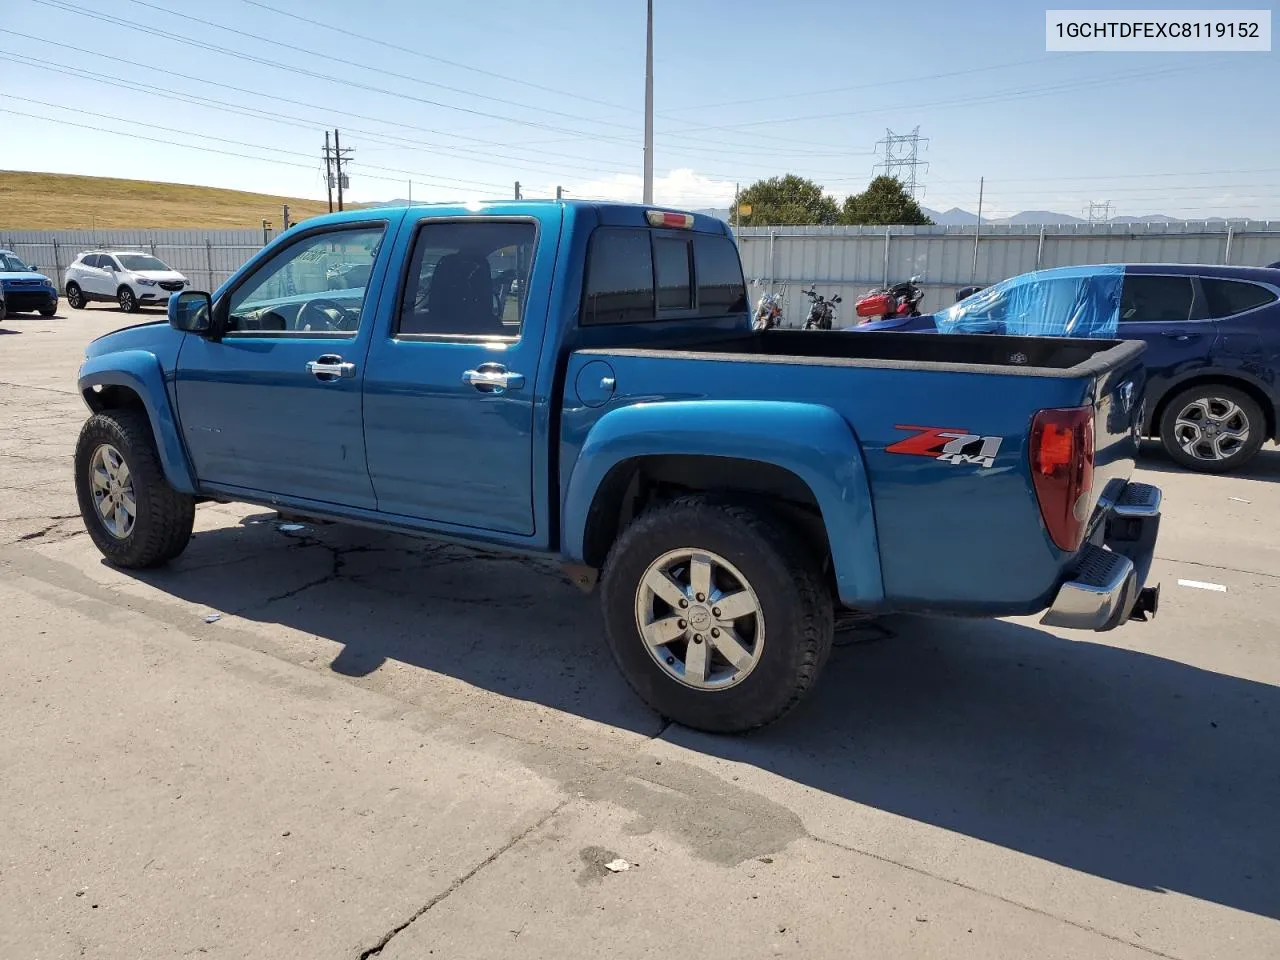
<point>581,380</point>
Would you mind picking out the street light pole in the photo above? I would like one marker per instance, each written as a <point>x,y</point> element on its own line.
<point>648,107</point>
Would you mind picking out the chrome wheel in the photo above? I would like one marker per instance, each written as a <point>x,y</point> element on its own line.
<point>1211,428</point>
<point>112,488</point>
<point>700,619</point>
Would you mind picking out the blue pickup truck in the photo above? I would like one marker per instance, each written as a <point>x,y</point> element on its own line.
<point>581,381</point>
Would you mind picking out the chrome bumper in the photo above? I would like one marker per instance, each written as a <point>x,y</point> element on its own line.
<point>1108,581</point>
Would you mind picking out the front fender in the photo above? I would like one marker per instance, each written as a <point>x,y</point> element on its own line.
<point>140,371</point>
<point>810,440</point>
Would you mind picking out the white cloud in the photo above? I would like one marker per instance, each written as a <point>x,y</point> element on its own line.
<point>679,188</point>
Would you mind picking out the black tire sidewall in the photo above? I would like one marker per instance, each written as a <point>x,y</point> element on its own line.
<point>130,433</point>
<point>775,683</point>
<point>1257,428</point>
<point>75,296</point>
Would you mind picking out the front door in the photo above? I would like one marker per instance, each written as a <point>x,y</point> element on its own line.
<point>96,279</point>
<point>449,396</point>
<point>274,407</point>
<point>1169,313</point>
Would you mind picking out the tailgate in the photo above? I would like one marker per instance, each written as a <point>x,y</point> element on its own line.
<point>1117,431</point>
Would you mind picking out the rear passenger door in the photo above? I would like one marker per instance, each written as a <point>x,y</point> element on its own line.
<point>451,389</point>
<point>1169,313</point>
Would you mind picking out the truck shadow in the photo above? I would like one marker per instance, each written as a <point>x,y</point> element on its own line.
<point>1124,765</point>
<point>1264,466</point>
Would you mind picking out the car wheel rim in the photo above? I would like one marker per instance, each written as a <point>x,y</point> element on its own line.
<point>126,300</point>
<point>1212,429</point>
<point>700,619</point>
<point>113,495</point>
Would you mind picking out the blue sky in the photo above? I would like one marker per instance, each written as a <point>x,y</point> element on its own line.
<point>465,98</point>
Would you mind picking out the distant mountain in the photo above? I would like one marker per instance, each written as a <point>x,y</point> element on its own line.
<point>956,217</point>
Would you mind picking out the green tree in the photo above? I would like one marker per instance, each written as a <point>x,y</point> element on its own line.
<point>788,200</point>
<point>883,203</point>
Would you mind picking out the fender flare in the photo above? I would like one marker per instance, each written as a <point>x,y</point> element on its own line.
<point>140,372</point>
<point>811,441</point>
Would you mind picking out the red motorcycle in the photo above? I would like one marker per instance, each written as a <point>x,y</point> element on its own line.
<point>897,301</point>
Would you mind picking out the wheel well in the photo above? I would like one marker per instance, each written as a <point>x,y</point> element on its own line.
<point>112,397</point>
<point>72,283</point>
<point>1257,395</point>
<point>123,287</point>
<point>638,483</point>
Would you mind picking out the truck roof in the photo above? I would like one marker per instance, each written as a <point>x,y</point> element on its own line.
<point>609,212</point>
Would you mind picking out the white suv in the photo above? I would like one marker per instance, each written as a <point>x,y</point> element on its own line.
<point>130,279</point>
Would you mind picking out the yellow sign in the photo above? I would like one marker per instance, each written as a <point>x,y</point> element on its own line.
<point>744,209</point>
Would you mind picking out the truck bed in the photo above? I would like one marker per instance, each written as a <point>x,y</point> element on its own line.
<point>1031,356</point>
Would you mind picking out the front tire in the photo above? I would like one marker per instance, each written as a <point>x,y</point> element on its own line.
<point>1212,428</point>
<point>132,514</point>
<point>75,296</point>
<point>719,617</point>
<point>47,312</point>
<point>128,301</point>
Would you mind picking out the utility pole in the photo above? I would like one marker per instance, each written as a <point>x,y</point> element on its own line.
<point>559,193</point>
<point>973,274</point>
<point>284,217</point>
<point>648,107</point>
<point>328,170</point>
<point>411,192</point>
<point>518,197</point>
<point>902,159</point>
<point>338,156</point>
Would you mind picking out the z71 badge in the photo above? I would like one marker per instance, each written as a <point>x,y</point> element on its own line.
<point>948,445</point>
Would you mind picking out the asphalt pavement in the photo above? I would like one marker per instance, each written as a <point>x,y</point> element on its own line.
<point>329,742</point>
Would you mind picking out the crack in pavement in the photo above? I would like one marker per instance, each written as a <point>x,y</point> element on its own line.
<point>387,937</point>
<point>1218,566</point>
<point>994,896</point>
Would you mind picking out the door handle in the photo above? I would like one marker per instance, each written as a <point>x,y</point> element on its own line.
<point>331,367</point>
<point>1183,337</point>
<point>493,378</point>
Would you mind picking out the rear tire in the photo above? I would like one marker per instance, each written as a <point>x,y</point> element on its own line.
<point>1212,428</point>
<point>162,517</point>
<point>75,296</point>
<point>127,300</point>
<point>784,640</point>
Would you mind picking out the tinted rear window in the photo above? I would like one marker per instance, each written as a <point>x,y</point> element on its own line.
<point>1154,299</point>
<point>1226,298</point>
<point>671,255</point>
<point>620,285</point>
<point>721,288</point>
<point>619,278</point>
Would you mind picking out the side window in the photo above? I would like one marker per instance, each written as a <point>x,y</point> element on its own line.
<point>619,285</point>
<point>721,288</point>
<point>671,258</point>
<point>1151,299</point>
<point>468,279</point>
<point>1226,298</point>
<point>314,287</point>
<point>93,260</point>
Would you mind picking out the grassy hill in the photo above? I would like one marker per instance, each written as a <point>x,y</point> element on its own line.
<point>55,201</point>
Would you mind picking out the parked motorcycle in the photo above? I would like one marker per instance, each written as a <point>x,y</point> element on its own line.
<point>900,300</point>
<point>822,312</point>
<point>768,312</point>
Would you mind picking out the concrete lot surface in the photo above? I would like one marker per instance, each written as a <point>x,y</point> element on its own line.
<point>388,747</point>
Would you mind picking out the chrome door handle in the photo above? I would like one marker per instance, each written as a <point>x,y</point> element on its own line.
<point>493,378</point>
<point>1183,337</point>
<point>330,367</point>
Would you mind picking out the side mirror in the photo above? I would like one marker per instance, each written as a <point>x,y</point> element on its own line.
<point>191,311</point>
<point>33,268</point>
<point>109,267</point>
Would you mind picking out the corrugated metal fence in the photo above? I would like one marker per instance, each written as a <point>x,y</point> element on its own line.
<point>843,260</point>
<point>851,260</point>
<point>207,257</point>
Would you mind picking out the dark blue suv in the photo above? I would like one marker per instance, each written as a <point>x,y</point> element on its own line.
<point>1212,335</point>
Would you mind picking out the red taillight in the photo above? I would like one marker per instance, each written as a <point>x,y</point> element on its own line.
<point>661,218</point>
<point>1062,471</point>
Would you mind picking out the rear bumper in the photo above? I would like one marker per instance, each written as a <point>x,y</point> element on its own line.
<point>1108,581</point>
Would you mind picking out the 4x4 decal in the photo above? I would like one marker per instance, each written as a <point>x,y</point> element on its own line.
<point>948,444</point>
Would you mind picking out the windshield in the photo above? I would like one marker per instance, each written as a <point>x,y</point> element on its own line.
<point>140,261</point>
<point>11,264</point>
